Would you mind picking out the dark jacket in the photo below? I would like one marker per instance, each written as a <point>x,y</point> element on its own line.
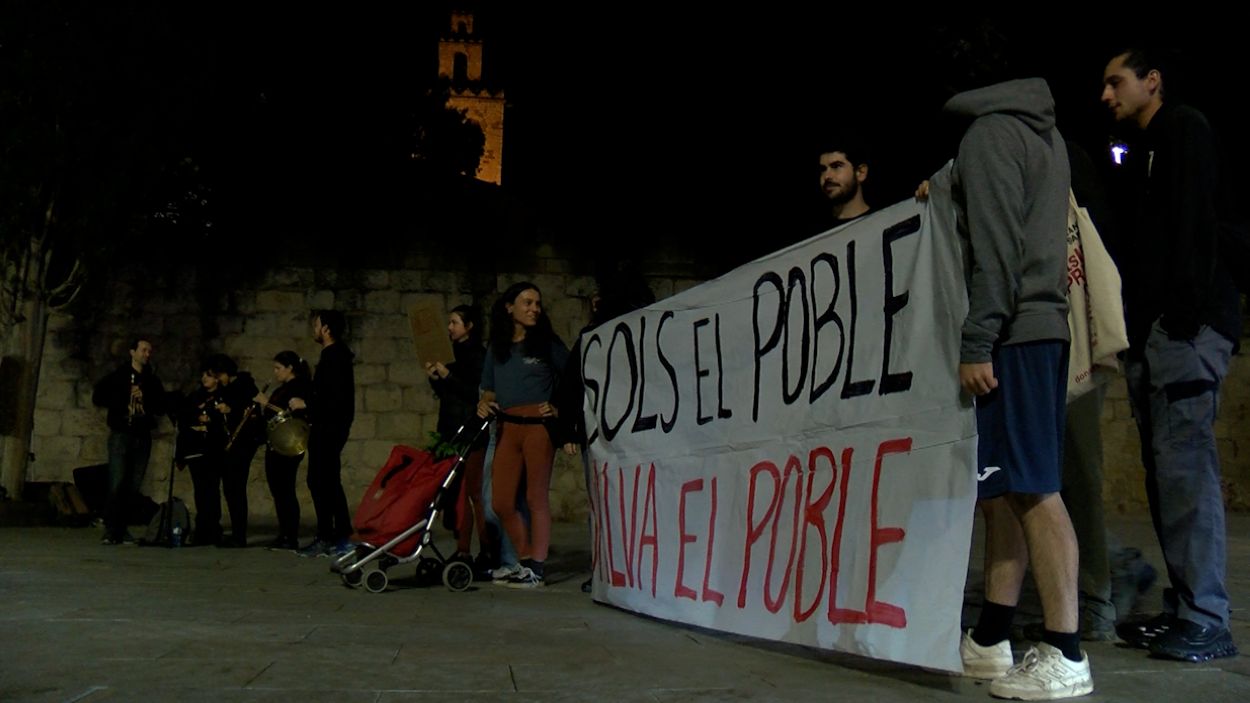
<point>458,393</point>
<point>333,406</point>
<point>113,393</point>
<point>238,396</point>
<point>202,429</point>
<point>568,398</point>
<point>1170,271</point>
<point>295,388</point>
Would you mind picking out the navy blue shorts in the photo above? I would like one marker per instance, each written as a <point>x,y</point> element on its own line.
<point>1020,423</point>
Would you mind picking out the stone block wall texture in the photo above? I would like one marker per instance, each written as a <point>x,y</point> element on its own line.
<point>394,403</point>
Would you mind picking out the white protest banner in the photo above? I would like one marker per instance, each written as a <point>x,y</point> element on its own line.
<point>783,452</point>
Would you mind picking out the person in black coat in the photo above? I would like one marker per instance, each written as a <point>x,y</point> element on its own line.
<point>134,398</point>
<point>331,413</point>
<point>456,385</point>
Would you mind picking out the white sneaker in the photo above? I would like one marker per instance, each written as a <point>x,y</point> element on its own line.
<point>505,572</point>
<point>984,663</point>
<point>525,579</point>
<point>1044,674</point>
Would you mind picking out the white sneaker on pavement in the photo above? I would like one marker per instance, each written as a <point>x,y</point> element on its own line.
<point>1044,674</point>
<point>505,572</point>
<point>985,663</point>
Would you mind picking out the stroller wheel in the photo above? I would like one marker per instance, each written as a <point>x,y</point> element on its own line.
<point>428,570</point>
<point>353,579</point>
<point>376,581</point>
<point>457,575</point>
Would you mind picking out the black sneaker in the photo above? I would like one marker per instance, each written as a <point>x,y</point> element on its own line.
<point>207,539</point>
<point>1191,642</point>
<point>1142,633</point>
<point>1131,577</point>
<point>483,565</point>
<point>283,544</point>
<point>317,548</point>
<point>123,538</point>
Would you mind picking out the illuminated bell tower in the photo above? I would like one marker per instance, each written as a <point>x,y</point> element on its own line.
<point>460,61</point>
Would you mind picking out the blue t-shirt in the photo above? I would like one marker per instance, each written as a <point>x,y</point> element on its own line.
<point>523,380</point>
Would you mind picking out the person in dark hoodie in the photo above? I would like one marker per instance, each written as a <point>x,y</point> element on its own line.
<point>456,385</point>
<point>331,412</point>
<point>1010,184</point>
<point>1183,315</point>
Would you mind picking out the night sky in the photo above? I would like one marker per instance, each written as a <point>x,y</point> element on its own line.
<point>646,122</point>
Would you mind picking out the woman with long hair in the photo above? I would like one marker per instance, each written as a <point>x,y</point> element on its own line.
<point>524,362</point>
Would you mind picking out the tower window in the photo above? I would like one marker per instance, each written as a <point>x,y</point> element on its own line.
<point>460,67</point>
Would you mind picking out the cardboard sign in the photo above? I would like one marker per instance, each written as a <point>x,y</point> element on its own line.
<point>429,333</point>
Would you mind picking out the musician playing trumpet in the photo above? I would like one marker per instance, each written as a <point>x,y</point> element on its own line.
<point>294,388</point>
<point>134,397</point>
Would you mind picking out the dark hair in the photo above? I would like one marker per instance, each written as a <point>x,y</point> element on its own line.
<point>537,338</point>
<point>471,316</point>
<point>295,362</point>
<point>621,288</point>
<point>332,320</point>
<point>220,363</point>
<point>1142,60</point>
<point>134,342</point>
<point>852,144</point>
<point>972,55</point>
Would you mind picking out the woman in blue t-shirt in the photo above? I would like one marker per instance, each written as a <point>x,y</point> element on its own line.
<point>523,363</point>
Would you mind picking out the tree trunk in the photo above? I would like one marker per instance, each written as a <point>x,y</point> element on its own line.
<point>26,343</point>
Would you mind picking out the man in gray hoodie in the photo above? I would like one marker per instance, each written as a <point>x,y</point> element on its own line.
<point>1010,185</point>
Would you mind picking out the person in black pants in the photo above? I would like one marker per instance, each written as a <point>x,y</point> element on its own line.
<point>294,381</point>
<point>237,390</point>
<point>202,436</point>
<point>134,398</point>
<point>331,413</point>
<point>456,385</point>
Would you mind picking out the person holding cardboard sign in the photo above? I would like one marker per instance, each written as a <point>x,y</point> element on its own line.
<point>456,385</point>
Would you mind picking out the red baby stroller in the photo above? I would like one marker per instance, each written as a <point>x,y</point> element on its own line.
<point>395,517</point>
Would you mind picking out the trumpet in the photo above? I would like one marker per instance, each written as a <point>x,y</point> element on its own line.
<point>136,400</point>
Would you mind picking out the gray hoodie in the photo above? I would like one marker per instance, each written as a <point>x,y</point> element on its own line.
<point>1010,185</point>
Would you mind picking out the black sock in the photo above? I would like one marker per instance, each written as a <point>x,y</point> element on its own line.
<point>1067,642</point>
<point>533,565</point>
<point>994,625</point>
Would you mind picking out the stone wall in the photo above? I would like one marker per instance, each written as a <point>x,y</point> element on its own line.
<point>252,322</point>
<point>394,403</point>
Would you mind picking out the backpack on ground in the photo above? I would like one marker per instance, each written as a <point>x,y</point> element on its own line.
<point>172,515</point>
